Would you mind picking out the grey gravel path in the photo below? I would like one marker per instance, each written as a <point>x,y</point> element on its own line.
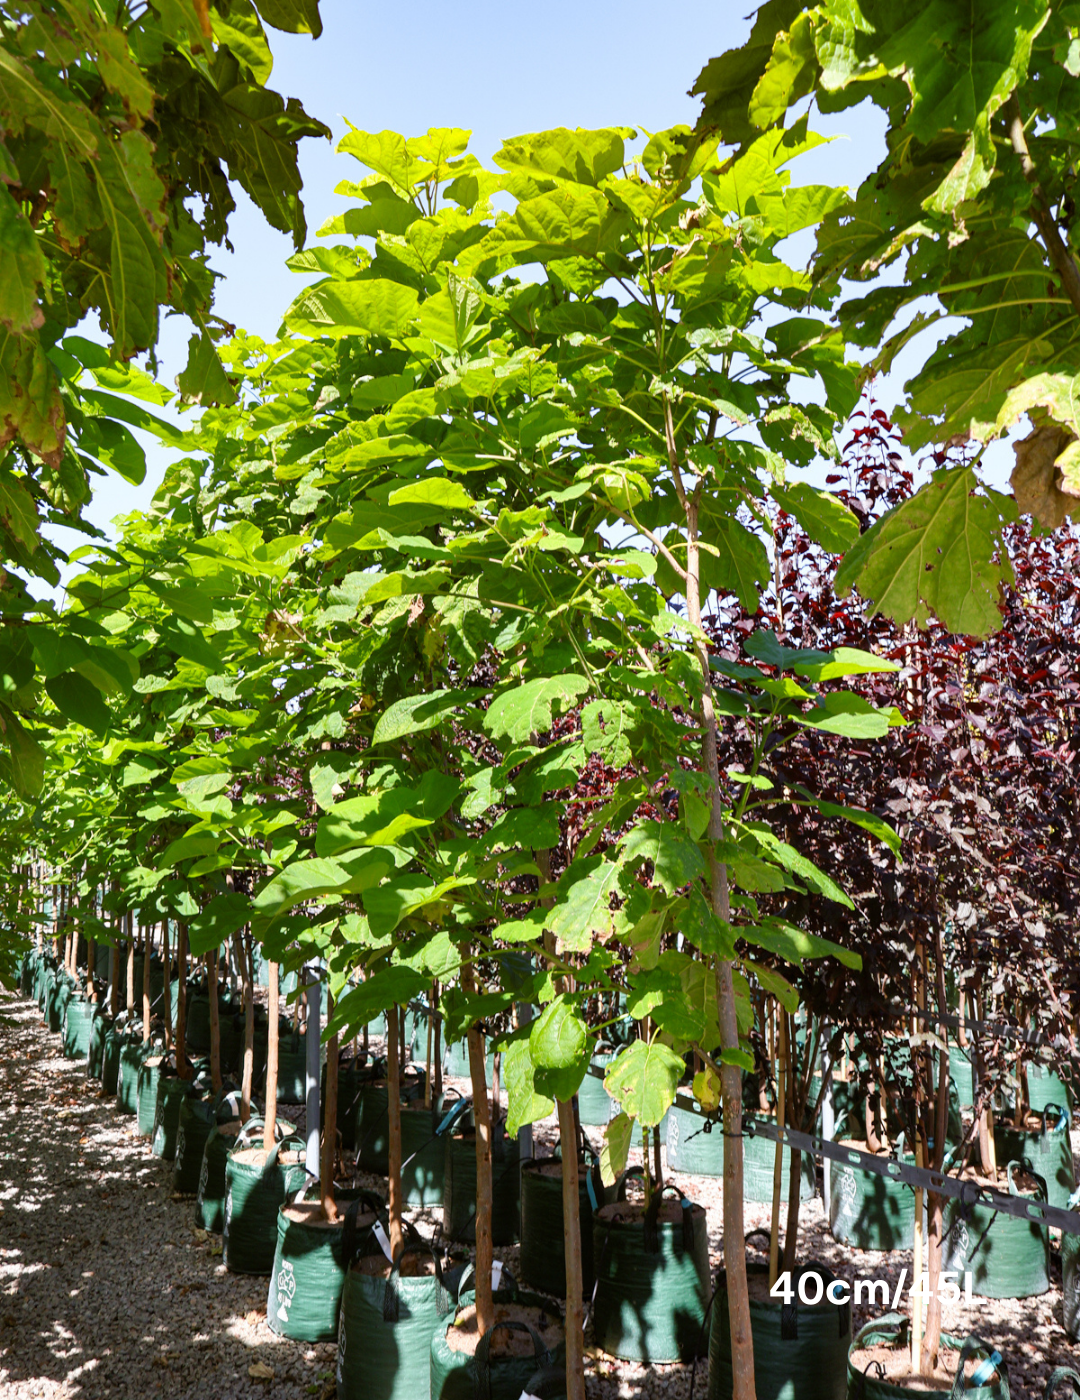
<point>106,1289</point>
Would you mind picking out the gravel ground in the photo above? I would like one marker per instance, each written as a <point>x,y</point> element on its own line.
<point>108,1290</point>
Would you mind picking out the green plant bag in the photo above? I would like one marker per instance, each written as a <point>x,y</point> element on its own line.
<point>100,1025</point>
<point>961,1075</point>
<point>352,1076</point>
<point>594,1101</point>
<point>372,1133</point>
<point>1047,1148</point>
<point>459,1188</point>
<point>457,1376</point>
<point>386,1329</point>
<point>309,1267</point>
<point>1007,1256</point>
<point>292,1068</point>
<point>456,1061</point>
<point>78,1024</point>
<point>1065,1382</point>
<point>692,1145</point>
<point>867,1211</point>
<point>210,1197</point>
<point>892,1329</point>
<point>171,1093</point>
<point>800,1349</point>
<point>132,1053</point>
<point>543,1256</point>
<point>1047,1088</point>
<point>652,1281</point>
<point>110,1059</point>
<point>150,1071</point>
<point>56,1003</point>
<point>253,1193</point>
<point>423,1153</point>
<point>759,1156</point>
<point>197,1119</point>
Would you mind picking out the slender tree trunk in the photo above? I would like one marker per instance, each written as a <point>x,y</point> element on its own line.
<point>393,1126</point>
<point>780,1061</point>
<point>114,980</point>
<point>166,982</point>
<point>91,955</point>
<point>247,966</point>
<point>329,1126</point>
<point>485,1307</point>
<point>130,968</point>
<point>215,1020</point>
<point>270,1121</point>
<point>146,984</point>
<point>181,1000</point>
<point>575,1286</point>
<point>742,1344</point>
<point>932,1338</point>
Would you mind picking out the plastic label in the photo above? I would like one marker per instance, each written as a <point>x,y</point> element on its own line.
<point>496,1273</point>
<point>382,1238</point>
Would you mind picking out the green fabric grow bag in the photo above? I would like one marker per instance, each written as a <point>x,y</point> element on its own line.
<point>1046,1087</point>
<point>1047,1148</point>
<point>110,1059</point>
<point>308,1271</point>
<point>652,1280</point>
<point>892,1329</point>
<point>594,1101</point>
<point>171,1093</point>
<point>423,1154</point>
<point>459,1188</point>
<point>759,1156</point>
<point>1006,1255</point>
<point>456,1376</point>
<point>800,1350</point>
<point>132,1054</point>
<point>868,1211</point>
<point>292,1068</point>
<point>352,1075</point>
<point>692,1144</point>
<point>77,1027</point>
<point>386,1328</point>
<point>253,1193</point>
<point>100,1025</point>
<point>543,1257</point>
<point>371,1134</point>
<point>456,1061</point>
<point>961,1075</point>
<point>848,1100</point>
<point>150,1072</point>
<point>1070,1285</point>
<point>210,1197</point>
<point>56,1003</point>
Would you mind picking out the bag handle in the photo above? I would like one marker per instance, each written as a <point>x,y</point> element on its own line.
<point>765,1234</point>
<point>1024,1164</point>
<point>789,1310</point>
<point>1058,1378</point>
<point>652,1217</point>
<point>483,1360</point>
<point>507,1286</point>
<point>975,1346</point>
<point>391,1294</point>
<point>630,1174</point>
<point>1062,1122</point>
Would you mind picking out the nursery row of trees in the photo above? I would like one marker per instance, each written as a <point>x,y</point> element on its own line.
<point>488,612</point>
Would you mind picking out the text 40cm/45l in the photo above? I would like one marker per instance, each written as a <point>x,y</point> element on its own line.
<point>812,1288</point>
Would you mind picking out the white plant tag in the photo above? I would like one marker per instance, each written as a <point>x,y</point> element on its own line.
<point>528,1395</point>
<point>384,1242</point>
<point>496,1273</point>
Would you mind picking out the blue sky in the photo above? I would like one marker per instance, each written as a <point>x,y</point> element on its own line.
<point>488,68</point>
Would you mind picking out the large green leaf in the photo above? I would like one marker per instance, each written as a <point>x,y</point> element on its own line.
<point>373,306</point>
<point>583,911</point>
<point>217,922</point>
<point>298,883</point>
<point>675,858</point>
<point>643,1080</point>
<point>524,710</point>
<point>524,1103</point>
<point>939,553</point>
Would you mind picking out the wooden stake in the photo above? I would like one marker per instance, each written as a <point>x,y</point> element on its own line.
<point>329,1126</point>
<point>215,1020</point>
<point>917,1272</point>
<point>270,1120</point>
<point>145,983</point>
<point>485,1306</point>
<point>393,1129</point>
<point>247,966</point>
<point>778,1155</point>
<point>181,1001</point>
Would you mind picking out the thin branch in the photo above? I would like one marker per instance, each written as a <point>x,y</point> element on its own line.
<point>1063,261</point>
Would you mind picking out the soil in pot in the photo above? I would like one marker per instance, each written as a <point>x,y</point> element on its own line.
<point>527,1338</point>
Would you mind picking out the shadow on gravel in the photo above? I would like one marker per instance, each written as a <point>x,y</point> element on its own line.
<point>105,1289</point>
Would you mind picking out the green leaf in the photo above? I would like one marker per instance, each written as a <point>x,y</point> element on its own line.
<point>775,985</point>
<point>24,267</point>
<point>584,910</point>
<point>618,1135</point>
<point>80,700</point>
<point>582,156</point>
<point>519,713</point>
<point>292,16</point>
<point>524,1103</point>
<point>27,755</point>
<point>559,1034</point>
<point>822,515</point>
<point>435,491</point>
<point>366,307</point>
<point>940,553</point>
<point>298,883</point>
<point>676,859</point>
<point>217,922</point>
<point>643,1079</point>
<point>416,714</point>
<point>867,820</point>
<point>793,944</point>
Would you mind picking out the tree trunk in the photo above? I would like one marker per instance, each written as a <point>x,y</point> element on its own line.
<point>393,1129</point>
<point>780,1061</point>
<point>130,1005</point>
<point>931,1346</point>
<point>248,971</point>
<point>166,984</point>
<point>114,980</point>
<point>329,1125</point>
<point>485,1307</point>
<point>742,1344</point>
<point>270,1121</point>
<point>91,953</point>
<point>181,1000</point>
<point>575,1288</point>
<point>215,1022</point>
<point>146,984</point>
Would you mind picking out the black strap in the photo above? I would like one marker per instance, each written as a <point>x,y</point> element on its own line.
<point>652,1217</point>
<point>351,1234</point>
<point>483,1348</point>
<point>391,1295</point>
